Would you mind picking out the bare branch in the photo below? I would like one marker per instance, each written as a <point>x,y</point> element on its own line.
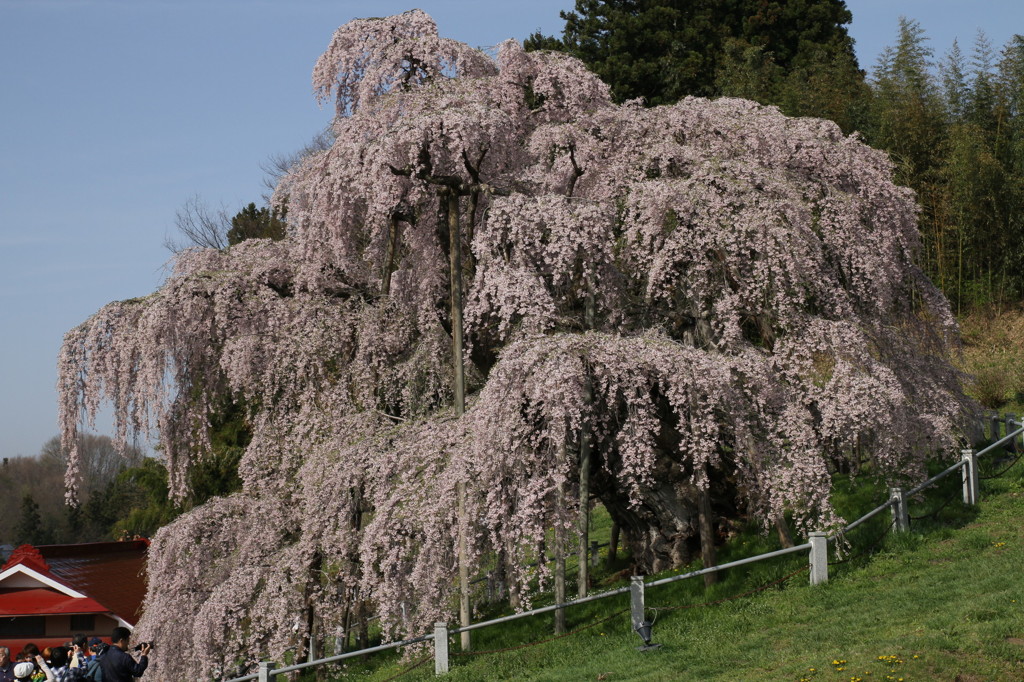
<point>199,225</point>
<point>278,165</point>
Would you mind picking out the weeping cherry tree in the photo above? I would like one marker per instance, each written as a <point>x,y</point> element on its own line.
<point>656,306</point>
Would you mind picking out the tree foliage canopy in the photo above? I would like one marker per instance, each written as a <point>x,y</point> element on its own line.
<point>954,130</point>
<point>663,50</point>
<point>721,297</point>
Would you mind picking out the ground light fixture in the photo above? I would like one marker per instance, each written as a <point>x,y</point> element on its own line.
<point>644,630</point>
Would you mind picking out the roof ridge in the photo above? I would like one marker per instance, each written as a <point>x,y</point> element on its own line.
<point>29,556</point>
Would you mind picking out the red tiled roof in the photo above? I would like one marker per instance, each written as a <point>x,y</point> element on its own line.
<point>112,573</point>
<point>42,600</point>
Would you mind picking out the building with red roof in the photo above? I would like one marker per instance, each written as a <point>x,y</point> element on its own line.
<point>51,592</point>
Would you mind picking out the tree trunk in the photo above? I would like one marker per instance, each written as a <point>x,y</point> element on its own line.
<point>656,530</point>
<point>782,528</point>
<point>613,545</point>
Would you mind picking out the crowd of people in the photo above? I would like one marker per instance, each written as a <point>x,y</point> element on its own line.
<point>80,660</point>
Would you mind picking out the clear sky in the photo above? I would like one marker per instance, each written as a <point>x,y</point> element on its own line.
<point>113,113</point>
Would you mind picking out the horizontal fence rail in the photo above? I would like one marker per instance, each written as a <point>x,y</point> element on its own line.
<point>268,670</point>
<point>870,515</point>
<point>731,564</point>
<point>539,610</point>
<point>817,550</point>
<point>937,477</point>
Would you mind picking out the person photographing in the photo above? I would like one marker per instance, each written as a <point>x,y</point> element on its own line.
<point>117,665</point>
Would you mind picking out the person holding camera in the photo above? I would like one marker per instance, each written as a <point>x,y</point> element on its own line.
<point>117,664</point>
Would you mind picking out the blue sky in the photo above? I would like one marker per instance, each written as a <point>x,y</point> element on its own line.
<point>114,112</point>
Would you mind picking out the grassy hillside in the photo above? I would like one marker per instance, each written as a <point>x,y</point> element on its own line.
<point>944,602</point>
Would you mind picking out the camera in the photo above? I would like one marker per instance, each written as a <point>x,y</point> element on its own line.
<point>138,647</point>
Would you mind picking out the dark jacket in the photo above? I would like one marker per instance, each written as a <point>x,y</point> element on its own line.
<point>93,671</point>
<point>118,666</point>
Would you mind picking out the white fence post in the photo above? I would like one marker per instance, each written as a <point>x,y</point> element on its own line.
<point>819,557</point>
<point>440,648</point>
<point>970,472</point>
<point>265,671</point>
<point>900,514</point>
<point>636,600</point>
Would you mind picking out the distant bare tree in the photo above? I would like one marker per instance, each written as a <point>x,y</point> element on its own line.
<point>199,225</point>
<point>40,478</point>
<point>278,165</point>
<point>101,461</point>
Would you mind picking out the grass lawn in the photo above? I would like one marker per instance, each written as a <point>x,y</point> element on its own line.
<point>943,602</point>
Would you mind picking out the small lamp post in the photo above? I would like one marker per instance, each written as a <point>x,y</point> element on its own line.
<point>644,630</point>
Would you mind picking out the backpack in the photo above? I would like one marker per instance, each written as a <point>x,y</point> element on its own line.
<point>93,671</point>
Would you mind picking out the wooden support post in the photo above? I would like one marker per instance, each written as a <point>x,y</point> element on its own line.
<point>583,522</point>
<point>819,558</point>
<point>705,524</point>
<point>586,447</point>
<point>994,427</point>
<point>459,389</point>
<point>559,560</point>
<point>900,514</point>
<point>313,634</point>
<point>595,554</point>
<point>440,648</point>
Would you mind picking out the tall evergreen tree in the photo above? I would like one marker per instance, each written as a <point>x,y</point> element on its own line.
<point>953,70</point>
<point>257,223</point>
<point>663,50</point>
<point>908,120</point>
<point>30,527</point>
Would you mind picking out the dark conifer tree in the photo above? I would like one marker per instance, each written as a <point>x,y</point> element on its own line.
<point>257,223</point>
<point>663,50</point>
<point>30,527</point>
